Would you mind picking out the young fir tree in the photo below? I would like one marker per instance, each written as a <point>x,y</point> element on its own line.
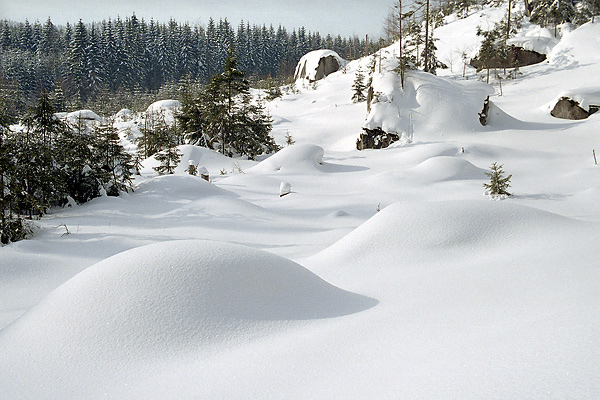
<point>359,87</point>
<point>75,152</point>
<point>113,161</point>
<point>169,159</point>
<point>224,115</point>
<point>499,184</point>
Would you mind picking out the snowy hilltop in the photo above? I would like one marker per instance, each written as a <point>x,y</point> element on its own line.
<point>324,271</point>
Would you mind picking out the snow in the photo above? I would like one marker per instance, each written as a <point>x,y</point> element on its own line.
<point>86,115</point>
<point>164,108</point>
<point>428,105</point>
<point>584,96</point>
<point>310,62</point>
<point>385,274</point>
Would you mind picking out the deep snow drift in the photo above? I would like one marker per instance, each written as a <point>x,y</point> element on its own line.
<point>381,274</point>
<point>156,302</point>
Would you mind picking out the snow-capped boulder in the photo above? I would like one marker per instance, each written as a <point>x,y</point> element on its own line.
<point>428,105</point>
<point>83,115</point>
<point>296,158</point>
<point>576,104</point>
<point>164,109</point>
<point>163,105</point>
<point>318,64</point>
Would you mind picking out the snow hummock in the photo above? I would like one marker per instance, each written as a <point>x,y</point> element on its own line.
<point>85,115</point>
<point>295,158</point>
<point>164,108</point>
<point>162,299</point>
<point>578,47</point>
<point>163,105</point>
<point>428,105</point>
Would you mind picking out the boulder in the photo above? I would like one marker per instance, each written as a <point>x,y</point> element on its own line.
<point>375,139</point>
<point>317,64</point>
<point>517,57</point>
<point>567,108</point>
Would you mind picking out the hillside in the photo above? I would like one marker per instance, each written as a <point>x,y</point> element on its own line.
<point>383,274</point>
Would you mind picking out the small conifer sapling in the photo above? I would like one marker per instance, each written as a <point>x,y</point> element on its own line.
<point>499,184</point>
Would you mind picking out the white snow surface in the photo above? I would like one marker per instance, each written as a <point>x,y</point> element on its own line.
<point>310,62</point>
<point>85,115</point>
<point>384,274</point>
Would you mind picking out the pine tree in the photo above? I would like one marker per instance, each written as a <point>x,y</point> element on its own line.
<point>113,162</point>
<point>359,87</point>
<point>169,159</point>
<point>498,183</point>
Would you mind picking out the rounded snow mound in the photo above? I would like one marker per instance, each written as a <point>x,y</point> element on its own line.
<point>579,47</point>
<point>428,107</point>
<point>445,168</point>
<point>178,186</point>
<point>162,106</point>
<point>172,296</point>
<point>407,236</point>
<point>212,160</point>
<point>85,115</point>
<point>295,158</point>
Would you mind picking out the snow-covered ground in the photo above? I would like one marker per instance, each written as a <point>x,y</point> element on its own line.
<point>382,274</point>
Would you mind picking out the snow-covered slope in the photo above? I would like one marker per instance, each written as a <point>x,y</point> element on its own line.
<point>382,274</point>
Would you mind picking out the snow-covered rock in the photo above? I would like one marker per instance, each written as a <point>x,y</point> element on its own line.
<point>84,115</point>
<point>317,64</point>
<point>428,105</point>
<point>164,109</point>
<point>295,158</point>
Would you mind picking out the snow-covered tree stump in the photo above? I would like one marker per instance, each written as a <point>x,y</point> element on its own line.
<point>284,188</point>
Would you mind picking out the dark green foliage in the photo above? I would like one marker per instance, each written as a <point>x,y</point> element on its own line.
<point>359,87</point>
<point>498,183</point>
<point>552,12</point>
<point>50,162</point>
<point>114,164</point>
<point>169,159</point>
<point>224,116</point>
<point>96,63</point>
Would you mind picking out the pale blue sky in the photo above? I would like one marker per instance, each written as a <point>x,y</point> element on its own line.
<point>346,17</point>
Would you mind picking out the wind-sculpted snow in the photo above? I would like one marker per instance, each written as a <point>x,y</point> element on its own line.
<point>428,106</point>
<point>160,300</point>
<point>296,158</point>
<point>445,168</point>
<point>213,161</point>
<point>404,235</point>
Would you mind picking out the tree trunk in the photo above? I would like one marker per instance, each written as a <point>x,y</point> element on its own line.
<point>426,60</point>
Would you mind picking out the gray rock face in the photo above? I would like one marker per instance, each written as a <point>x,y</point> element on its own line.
<point>567,108</point>
<point>309,69</point>
<point>327,65</point>
<point>517,56</point>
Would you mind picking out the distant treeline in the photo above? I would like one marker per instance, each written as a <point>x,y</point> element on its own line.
<point>84,64</point>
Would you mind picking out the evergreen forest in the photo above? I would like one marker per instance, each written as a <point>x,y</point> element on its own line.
<point>101,65</point>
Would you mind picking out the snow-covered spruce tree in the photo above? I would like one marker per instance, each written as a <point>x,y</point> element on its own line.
<point>12,226</point>
<point>169,159</point>
<point>113,162</point>
<point>223,115</point>
<point>41,174</point>
<point>75,152</point>
<point>359,87</point>
<point>499,184</point>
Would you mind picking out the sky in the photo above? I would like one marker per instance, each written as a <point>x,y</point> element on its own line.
<point>348,17</point>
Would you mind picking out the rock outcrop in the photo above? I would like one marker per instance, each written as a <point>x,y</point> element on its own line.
<point>517,56</point>
<point>567,108</point>
<point>317,64</point>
